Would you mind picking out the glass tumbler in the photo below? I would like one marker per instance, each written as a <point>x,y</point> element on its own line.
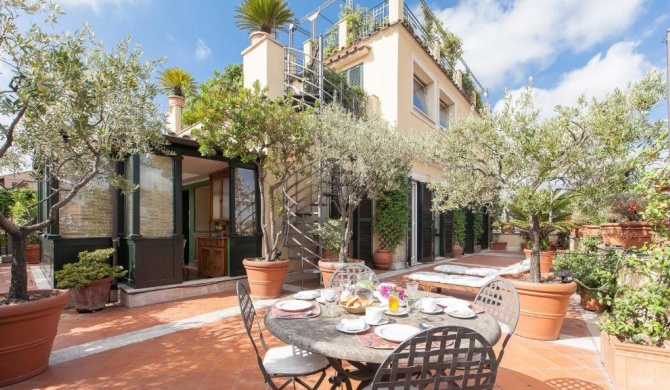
<point>394,301</point>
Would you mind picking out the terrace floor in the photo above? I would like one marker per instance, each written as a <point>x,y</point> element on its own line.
<point>200,343</point>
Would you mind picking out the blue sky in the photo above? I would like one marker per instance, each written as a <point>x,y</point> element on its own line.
<point>568,47</point>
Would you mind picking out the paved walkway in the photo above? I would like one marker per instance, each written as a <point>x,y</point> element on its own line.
<point>201,344</point>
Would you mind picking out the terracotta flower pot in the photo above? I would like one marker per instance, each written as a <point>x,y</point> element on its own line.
<point>328,267</point>
<point>457,250</point>
<point>632,366</point>
<point>546,259</point>
<point>33,253</point>
<point>27,333</point>
<point>266,278</point>
<point>327,254</point>
<point>543,308</point>
<point>626,234</point>
<point>590,303</point>
<point>383,258</point>
<point>92,297</point>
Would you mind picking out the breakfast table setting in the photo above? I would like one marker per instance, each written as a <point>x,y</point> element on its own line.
<point>362,323</point>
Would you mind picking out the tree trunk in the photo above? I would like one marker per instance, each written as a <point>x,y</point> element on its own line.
<point>18,290</point>
<point>347,218</point>
<point>535,248</point>
<point>264,228</point>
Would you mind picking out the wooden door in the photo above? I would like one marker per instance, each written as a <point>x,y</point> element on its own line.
<point>362,238</point>
<point>426,234</point>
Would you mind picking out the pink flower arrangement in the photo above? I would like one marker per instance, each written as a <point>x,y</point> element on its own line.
<point>387,289</point>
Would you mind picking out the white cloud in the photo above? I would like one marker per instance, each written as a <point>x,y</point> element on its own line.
<point>618,67</point>
<point>503,38</point>
<point>97,5</point>
<point>202,51</point>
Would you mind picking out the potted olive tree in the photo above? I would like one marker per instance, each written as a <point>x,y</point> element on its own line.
<point>515,155</point>
<point>76,108</point>
<point>90,279</point>
<point>391,217</point>
<point>358,158</point>
<point>274,136</point>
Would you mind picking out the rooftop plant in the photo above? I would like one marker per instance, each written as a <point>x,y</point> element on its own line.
<point>176,81</point>
<point>263,15</point>
<point>588,149</point>
<point>71,104</point>
<point>228,82</point>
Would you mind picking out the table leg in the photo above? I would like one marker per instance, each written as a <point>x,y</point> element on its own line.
<point>364,373</point>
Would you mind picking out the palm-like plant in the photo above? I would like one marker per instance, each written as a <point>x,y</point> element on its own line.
<point>264,15</point>
<point>553,216</point>
<point>176,81</point>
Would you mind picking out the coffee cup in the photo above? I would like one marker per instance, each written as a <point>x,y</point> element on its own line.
<point>428,304</point>
<point>373,314</point>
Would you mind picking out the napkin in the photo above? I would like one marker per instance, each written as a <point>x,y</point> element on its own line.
<point>352,324</point>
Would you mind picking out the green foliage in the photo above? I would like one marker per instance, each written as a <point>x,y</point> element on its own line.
<point>655,184</point>
<point>91,266</point>
<point>452,45</point>
<point>593,269</point>
<point>269,133</point>
<point>588,149</point>
<point>176,81</point>
<point>226,83</point>
<point>359,21</point>
<point>263,15</point>
<point>73,105</point>
<point>358,158</point>
<point>329,234</point>
<point>458,234</point>
<point>640,309</point>
<point>337,90</point>
<point>478,226</point>
<point>624,206</point>
<point>552,212</point>
<point>392,215</point>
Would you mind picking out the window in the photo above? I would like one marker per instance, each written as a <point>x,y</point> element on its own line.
<point>354,76</point>
<point>420,96</point>
<point>444,115</point>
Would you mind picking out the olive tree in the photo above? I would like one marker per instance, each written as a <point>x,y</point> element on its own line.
<point>359,157</point>
<point>272,134</point>
<point>589,150</point>
<point>72,107</point>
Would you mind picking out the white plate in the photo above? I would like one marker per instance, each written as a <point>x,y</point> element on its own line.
<point>382,321</point>
<point>459,311</point>
<point>306,295</point>
<point>435,311</point>
<point>398,313</point>
<point>320,300</point>
<point>396,332</point>
<point>451,301</point>
<point>340,327</point>
<point>293,305</point>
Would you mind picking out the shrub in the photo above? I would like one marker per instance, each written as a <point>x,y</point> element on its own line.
<point>593,269</point>
<point>329,234</point>
<point>92,266</point>
<point>459,227</point>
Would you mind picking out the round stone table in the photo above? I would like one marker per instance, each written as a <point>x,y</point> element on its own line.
<point>319,335</point>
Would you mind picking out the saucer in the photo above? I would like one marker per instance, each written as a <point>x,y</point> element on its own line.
<point>434,311</point>
<point>382,321</point>
<point>401,312</point>
<point>341,329</point>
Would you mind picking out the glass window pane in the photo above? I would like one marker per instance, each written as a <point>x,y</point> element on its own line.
<point>444,115</point>
<point>156,196</point>
<point>245,202</point>
<point>420,98</point>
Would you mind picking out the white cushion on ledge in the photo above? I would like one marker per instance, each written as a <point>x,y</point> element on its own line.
<point>470,271</point>
<point>461,280</point>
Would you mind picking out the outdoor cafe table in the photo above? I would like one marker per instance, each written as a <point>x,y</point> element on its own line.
<point>319,335</point>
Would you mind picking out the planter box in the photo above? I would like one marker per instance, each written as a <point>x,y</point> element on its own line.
<point>626,234</point>
<point>499,246</point>
<point>632,366</point>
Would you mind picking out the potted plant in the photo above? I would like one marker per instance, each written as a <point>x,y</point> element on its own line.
<point>89,279</point>
<point>478,229</point>
<point>552,217</point>
<point>458,233</point>
<point>624,226</point>
<point>273,136</point>
<point>76,108</point>
<point>177,83</point>
<point>263,17</point>
<point>358,158</point>
<point>391,217</point>
<point>593,269</point>
<point>496,243</point>
<point>328,235</point>
<point>515,155</point>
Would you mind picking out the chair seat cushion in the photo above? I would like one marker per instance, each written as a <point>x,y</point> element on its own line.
<point>470,271</point>
<point>439,277</point>
<point>289,360</point>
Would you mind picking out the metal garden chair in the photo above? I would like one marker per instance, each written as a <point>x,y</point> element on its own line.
<point>343,273</point>
<point>500,299</point>
<point>287,362</point>
<point>447,357</point>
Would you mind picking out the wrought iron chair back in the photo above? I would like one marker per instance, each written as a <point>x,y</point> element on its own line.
<point>500,299</point>
<point>447,357</point>
<point>343,274</point>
